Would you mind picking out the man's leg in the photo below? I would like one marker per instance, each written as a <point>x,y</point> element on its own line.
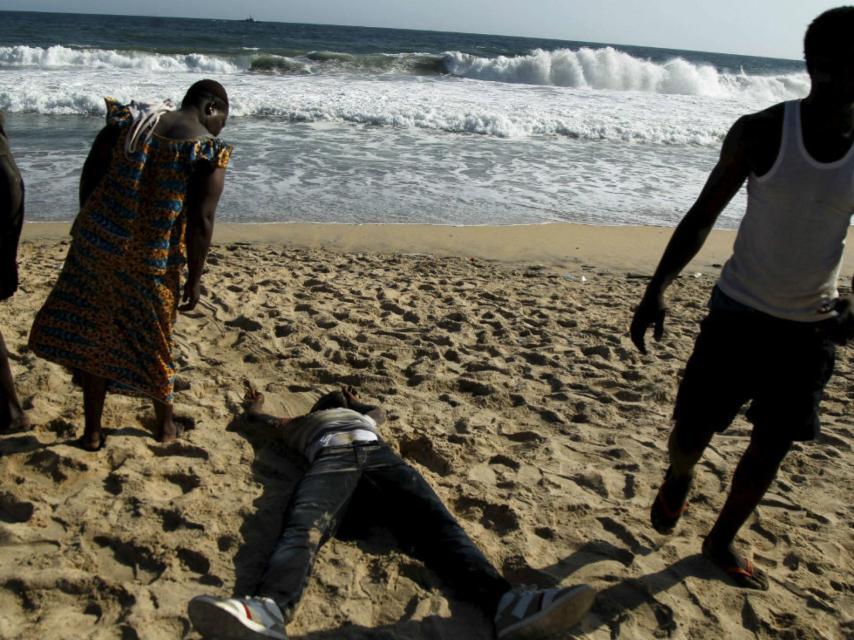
<point>685,447</point>
<point>419,518</point>
<point>753,476</point>
<point>796,362</point>
<point>12,416</point>
<point>94,394</point>
<point>314,513</point>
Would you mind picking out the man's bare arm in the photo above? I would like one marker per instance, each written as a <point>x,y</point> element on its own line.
<point>723,183</point>
<point>97,162</point>
<point>205,191</point>
<point>253,406</point>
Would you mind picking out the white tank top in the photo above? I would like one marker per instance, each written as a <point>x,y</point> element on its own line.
<point>789,246</point>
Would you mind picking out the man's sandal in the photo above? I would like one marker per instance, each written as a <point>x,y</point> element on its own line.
<point>748,576</point>
<point>662,516</point>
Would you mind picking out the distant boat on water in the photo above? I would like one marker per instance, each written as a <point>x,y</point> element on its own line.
<point>250,19</point>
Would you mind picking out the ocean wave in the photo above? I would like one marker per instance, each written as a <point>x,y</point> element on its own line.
<point>603,69</point>
<point>617,98</point>
<point>278,64</point>
<point>610,69</point>
<point>249,60</point>
<point>59,57</point>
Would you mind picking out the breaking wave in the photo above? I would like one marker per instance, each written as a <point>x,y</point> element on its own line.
<point>603,68</point>
<point>610,69</point>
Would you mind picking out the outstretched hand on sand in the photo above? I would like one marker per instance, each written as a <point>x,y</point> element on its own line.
<point>350,393</point>
<point>253,400</point>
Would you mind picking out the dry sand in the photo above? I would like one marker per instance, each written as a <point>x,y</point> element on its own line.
<point>502,358</point>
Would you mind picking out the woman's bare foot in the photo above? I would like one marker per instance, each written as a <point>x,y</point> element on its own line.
<point>92,441</point>
<point>13,419</point>
<point>167,430</point>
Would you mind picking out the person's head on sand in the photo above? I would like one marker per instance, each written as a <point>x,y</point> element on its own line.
<point>332,400</point>
<point>829,54</point>
<point>208,99</point>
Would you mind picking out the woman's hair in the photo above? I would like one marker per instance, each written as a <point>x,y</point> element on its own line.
<point>206,91</point>
<point>333,400</point>
<point>830,34</point>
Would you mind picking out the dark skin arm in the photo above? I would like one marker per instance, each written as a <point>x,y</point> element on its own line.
<point>206,186</point>
<point>253,405</point>
<point>750,146</point>
<point>97,162</point>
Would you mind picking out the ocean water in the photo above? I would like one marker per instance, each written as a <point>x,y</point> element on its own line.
<point>347,124</point>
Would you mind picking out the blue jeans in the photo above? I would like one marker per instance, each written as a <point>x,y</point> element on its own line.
<point>381,489</point>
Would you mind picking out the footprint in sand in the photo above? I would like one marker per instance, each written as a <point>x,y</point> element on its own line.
<point>184,481</point>
<point>174,519</point>
<point>496,517</point>
<point>242,322</point>
<point>125,561</point>
<point>591,481</point>
<point>620,531</point>
<point>546,533</point>
<point>475,388</point>
<point>194,561</point>
<point>422,450</point>
<point>505,461</point>
<point>60,468</point>
<point>179,448</point>
<point>284,330</point>
<point>523,437</point>
<point>13,510</point>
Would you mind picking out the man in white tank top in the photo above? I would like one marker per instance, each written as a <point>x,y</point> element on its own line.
<point>772,316</point>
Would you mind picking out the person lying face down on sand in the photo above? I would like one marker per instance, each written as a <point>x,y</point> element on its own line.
<point>354,476</point>
<point>775,313</point>
<point>148,195</point>
<point>12,417</point>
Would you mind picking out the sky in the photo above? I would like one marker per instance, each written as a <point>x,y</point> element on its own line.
<point>771,28</point>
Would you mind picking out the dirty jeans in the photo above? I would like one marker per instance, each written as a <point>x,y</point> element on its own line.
<point>383,488</point>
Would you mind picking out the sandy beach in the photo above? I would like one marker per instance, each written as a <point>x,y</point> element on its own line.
<point>502,357</point>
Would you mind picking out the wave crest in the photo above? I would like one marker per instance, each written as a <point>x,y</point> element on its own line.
<point>610,69</point>
<point>59,57</point>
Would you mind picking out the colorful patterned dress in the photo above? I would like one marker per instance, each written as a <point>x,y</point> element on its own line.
<point>115,302</point>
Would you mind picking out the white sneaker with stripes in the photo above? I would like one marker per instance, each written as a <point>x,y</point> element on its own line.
<point>541,615</point>
<point>237,618</point>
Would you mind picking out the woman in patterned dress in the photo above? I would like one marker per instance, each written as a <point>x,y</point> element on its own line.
<point>148,195</point>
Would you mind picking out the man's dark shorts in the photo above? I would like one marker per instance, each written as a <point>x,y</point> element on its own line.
<point>745,355</point>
